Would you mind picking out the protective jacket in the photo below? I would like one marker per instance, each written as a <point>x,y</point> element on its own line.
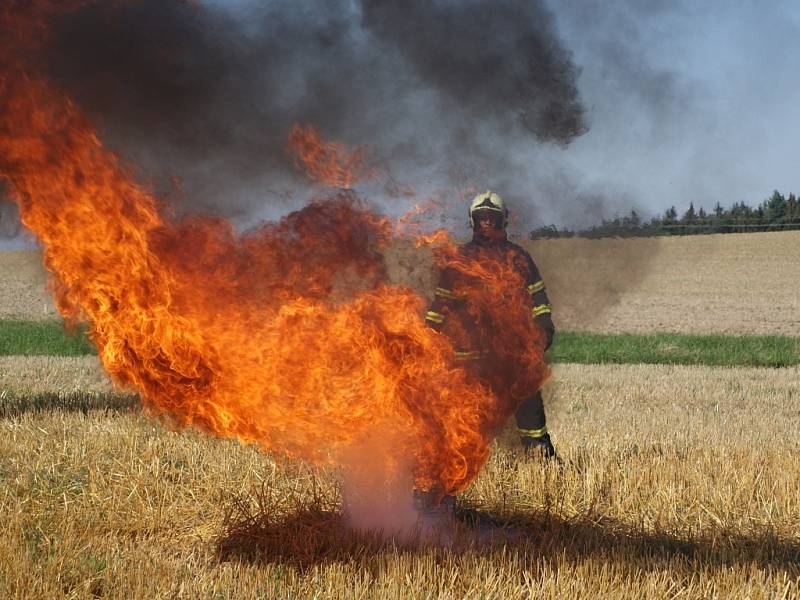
<point>450,303</point>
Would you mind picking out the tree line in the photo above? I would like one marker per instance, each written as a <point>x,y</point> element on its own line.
<point>776,213</point>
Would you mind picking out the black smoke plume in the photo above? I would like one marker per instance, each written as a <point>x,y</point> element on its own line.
<point>491,59</point>
<point>206,93</point>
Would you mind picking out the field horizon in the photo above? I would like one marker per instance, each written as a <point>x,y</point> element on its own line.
<point>732,283</point>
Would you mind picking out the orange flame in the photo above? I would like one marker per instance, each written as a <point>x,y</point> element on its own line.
<point>410,225</point>
<point>330,163</point>
<point>289,337</point>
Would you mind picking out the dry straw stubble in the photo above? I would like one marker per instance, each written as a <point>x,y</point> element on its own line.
<point>680,481</point>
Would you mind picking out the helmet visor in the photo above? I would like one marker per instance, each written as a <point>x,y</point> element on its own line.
<point>492,218</point>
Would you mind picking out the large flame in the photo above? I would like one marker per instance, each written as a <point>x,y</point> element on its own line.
<point>288,337</point>
<point>330,163</point>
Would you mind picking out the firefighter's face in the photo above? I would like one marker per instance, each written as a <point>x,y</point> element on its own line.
<point>489,223</point>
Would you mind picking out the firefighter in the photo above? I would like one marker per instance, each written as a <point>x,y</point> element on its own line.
<point>489,217</point>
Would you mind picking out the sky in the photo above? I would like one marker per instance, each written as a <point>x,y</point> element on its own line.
<point>687,101</point>
<point>658,103</point>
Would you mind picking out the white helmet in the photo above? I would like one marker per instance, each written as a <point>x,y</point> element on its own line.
<point>488,201</point>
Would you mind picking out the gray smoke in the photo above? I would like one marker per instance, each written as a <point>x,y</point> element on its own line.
<point>9,218</point>
<point>492,60</point>
<point>446,94</point>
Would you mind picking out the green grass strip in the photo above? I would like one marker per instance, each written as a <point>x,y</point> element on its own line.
<point>677,349</point>
<point>50,338</point>
<point>46,338</point>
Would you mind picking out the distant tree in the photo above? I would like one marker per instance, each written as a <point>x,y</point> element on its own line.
<point>550,232</point>
<point>792,210</point>
<point>632,221</point>
<point>703,221</point>
<point>719,219</point>
<point>670,217</point>
<point>689,217</point>
<point>760,218</point>
<point>775,208</point>
<point>740,217</point>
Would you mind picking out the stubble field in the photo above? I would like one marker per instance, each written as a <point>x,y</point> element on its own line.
<point>724,283</point>
<point>678,481</point>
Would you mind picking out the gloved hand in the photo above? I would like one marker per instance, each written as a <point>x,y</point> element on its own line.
<point>545,321</point>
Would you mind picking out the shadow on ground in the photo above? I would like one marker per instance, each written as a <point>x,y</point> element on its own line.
<point>318,535</point>
<point>18,404</point>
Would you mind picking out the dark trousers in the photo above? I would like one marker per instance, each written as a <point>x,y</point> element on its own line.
<point>531,421</point>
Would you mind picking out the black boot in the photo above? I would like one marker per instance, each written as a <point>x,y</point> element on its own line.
<point>433,504</point>
<point>541,445</point>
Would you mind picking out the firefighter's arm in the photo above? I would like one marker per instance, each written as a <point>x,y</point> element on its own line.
<point>540,303</point>
<point>443,296</point>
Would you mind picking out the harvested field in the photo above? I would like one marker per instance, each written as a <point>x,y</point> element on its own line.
<point>743,283</point>
<point>733,283</point>
<point>24,293</point>
<point>681,481</point>
<point>27,375</point>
